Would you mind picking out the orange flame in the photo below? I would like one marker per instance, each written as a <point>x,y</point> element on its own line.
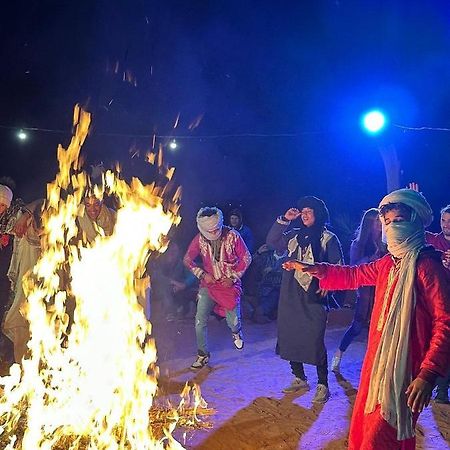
<point>91,371</point>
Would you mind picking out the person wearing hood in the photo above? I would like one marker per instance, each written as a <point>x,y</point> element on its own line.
<point>303,306</point>
<point>225,258</point>
<point>237,223</point>
<point>409,335</point>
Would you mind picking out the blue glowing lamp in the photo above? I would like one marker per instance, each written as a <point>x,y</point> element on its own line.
<point>374,121</point>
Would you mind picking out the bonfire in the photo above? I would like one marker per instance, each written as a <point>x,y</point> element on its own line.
<point>89,379</point>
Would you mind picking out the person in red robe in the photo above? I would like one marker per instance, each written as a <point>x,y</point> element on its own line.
<point>224,260</point>
<point>441,241</point>
<point>409,335</point>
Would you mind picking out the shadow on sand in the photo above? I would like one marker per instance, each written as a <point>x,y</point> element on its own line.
<point>266,423</point>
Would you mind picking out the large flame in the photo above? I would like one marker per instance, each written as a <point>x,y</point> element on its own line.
<point>89,380</point>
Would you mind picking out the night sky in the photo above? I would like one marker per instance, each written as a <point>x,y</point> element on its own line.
<point>305,69</point>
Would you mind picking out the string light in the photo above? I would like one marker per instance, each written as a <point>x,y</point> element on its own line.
<point>170,136</point>
<point>22,133</point>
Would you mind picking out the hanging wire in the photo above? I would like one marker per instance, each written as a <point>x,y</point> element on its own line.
<point>169,136</point>
<point>211,136</point>
<point>404,127</point>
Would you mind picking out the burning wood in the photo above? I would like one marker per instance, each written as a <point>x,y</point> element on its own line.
<point>90,376</point>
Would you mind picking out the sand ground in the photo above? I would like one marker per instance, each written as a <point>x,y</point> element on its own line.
<point>245,387</point>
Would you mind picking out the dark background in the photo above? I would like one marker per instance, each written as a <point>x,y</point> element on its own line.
<point>304,68</point>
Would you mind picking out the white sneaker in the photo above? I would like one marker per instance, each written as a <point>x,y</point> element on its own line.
<point>322,394</point>
<point>336,364</point>
<point>238,340</point>
<point>200,362</point>
<point>296,385</point>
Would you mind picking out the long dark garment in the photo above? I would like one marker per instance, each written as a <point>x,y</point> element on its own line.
<point>302,319</point>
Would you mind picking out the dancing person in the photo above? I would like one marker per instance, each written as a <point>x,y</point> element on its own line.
<point>302,307</point>
<point>225,258</point>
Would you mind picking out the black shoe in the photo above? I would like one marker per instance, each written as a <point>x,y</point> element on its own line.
<point>201,361</point>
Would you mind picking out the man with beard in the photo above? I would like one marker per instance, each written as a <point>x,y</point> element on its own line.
<point>303,307</point>
<point>225,258</point>
<point>409,336</point>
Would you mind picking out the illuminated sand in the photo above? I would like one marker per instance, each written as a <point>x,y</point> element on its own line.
<point>245,390</point>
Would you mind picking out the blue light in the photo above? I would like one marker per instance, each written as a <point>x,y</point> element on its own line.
<point>374,121</point>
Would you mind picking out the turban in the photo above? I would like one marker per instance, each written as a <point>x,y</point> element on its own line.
<point>210,226</point>
<point>6,195</point>
<point>414,200</point>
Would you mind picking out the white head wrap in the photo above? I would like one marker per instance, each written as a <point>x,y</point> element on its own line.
<point>6,195</point>
<point>210,226</point>
<point>414,200</point>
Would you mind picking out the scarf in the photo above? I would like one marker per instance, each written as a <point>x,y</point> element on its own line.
<point>210,226</point>
<point>391,371</point>
<point>307,242</point>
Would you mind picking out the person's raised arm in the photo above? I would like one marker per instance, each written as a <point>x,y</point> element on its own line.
<point>277,238</point>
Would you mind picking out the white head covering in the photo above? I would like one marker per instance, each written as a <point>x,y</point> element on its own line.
<point>414,200</point>
<point>6,195</point>
<point>210,226</point>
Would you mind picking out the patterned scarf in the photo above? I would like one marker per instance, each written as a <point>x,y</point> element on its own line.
<point>9,217</point>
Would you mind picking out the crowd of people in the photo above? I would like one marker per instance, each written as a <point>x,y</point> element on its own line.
<point>400,271</point>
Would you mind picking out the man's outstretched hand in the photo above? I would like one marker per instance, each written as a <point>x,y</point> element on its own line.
<point>313,269</point>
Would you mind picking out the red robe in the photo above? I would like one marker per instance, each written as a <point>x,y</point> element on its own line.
<point>429,339</point>
<point>234,261</point>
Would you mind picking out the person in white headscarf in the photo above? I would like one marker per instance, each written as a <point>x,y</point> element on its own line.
<point>409,336</point>
<point>225,258</point>
<point>11,210</point>
<point>25,255</point>
<point>6,196</point>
